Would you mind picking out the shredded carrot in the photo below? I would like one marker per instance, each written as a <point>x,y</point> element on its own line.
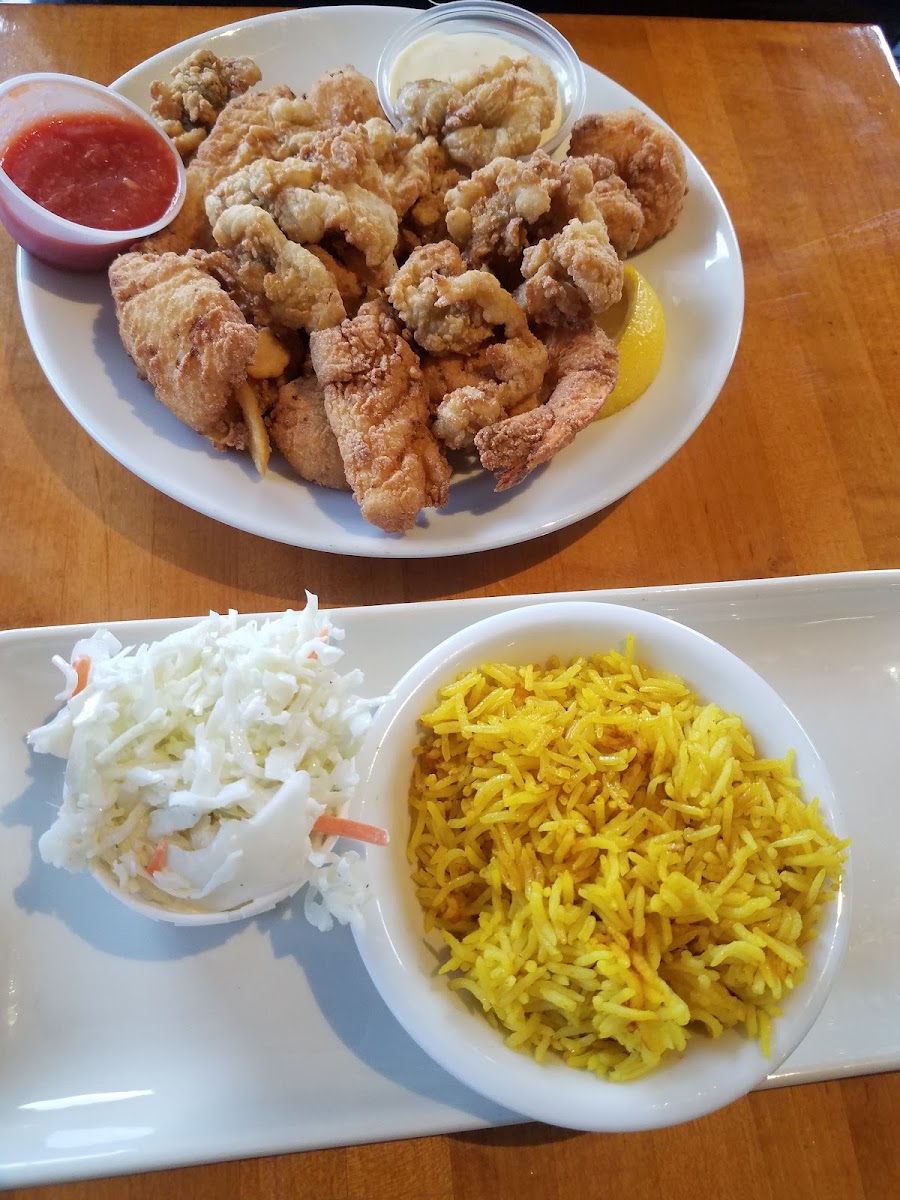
<point>158,858</point>
<point>342,827</point>
<point>82,670</point>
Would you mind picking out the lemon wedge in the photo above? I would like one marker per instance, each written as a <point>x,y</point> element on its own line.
<point>638,327</point>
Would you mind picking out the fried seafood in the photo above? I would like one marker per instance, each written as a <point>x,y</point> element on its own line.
<point>351,289</point>
<point>200,87</point>
<point>543,219</point>
<point>417,172</point>
<point>648,158</point>
<point>571,276</point>
<point>306,206</point>
<point>273,307</point>
<point>617,204</point>
<point>446,308</point>
<point>584,369</point>
<point>511,205</point>
<point>189,339</point>
<point>343,96</point>
<point>243,132</point>
<point>377,405</point>
<point>491,215</point>
<point>501,109</point>
<point>478,387</point>
<point>299,428</point>
<point>289,286</point>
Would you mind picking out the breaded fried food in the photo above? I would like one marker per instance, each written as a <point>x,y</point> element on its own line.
<point>317,192</point>
<point>492,214</point>
<point>188,338</point>
<point>287,285</point>
<point>377,405</point>
<point>245,130</point>
<point>513,204</point>
<point>585,366</point>
<point>439,301</point>
<point>417,172</point>
<point>572,276</point>
<point>484,361</point>
<point>648,158</point>
<point>617,204</point>
<point>200,87</point>
<point>343,96</point>
<point>499,110</point>
<point>299,428</point>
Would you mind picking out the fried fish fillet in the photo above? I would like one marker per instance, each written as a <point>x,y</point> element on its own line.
<point>188,338</point>
<point>377,405</point>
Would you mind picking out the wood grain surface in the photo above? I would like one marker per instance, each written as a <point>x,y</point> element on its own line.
<point>796,470</point>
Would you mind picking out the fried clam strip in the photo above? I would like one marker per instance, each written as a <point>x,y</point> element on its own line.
<point>417,173</point>
<point>315,193</point>
<point>453,312</point>
<point>298,426</point>
<point>377,405</point>
<point>501,109</point>
<point>205,362</point>
<point>287,285</point>
<point>648,158</point>
<point>244,131</point>
<point>200,87</point>
<point>584,369</point>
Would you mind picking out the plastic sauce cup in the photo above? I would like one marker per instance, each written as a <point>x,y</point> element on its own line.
<point>516,25</point>
<point>24,102</point>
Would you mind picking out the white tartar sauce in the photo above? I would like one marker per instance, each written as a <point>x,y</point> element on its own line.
<point>447,56</point>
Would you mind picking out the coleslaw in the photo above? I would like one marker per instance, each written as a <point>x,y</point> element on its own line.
<point>198,765</point>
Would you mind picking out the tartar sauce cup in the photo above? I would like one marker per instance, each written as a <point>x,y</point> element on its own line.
<point>28,100</point>
<point>516,25</point>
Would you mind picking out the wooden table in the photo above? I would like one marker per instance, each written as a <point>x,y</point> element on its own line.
<point>795,471</point>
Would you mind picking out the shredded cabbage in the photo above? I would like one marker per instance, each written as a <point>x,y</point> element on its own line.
<point>222,743</point>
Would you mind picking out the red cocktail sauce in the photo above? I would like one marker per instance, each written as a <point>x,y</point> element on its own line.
<point>94,169</point>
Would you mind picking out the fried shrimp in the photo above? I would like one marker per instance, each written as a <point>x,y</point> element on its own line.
<point>648,158</point>
<point>584,369</point>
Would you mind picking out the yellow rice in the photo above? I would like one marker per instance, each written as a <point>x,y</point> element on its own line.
<point>609,863</point>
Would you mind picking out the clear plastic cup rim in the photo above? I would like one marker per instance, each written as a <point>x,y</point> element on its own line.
<point>533,33</point>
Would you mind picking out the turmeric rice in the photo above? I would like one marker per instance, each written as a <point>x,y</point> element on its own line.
<point>611,866</point>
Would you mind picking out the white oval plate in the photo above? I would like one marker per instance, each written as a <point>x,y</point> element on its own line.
<point>696,271</point>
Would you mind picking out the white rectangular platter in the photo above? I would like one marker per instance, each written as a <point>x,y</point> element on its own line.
<point>130,1045</point>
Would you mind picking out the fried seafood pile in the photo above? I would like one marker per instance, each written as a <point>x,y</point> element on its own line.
<point>369,299</point>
